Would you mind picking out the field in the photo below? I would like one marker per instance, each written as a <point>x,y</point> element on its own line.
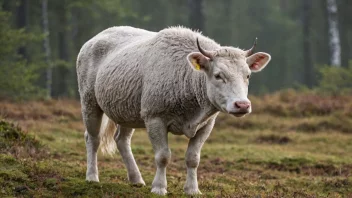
<point>292,145</point>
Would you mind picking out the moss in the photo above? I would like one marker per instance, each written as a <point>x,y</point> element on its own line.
<point>13,175</point>
<point>51,183</point>
<point>7,160</point>
<point>74,187</point>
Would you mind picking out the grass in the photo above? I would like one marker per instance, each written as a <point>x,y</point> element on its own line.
<point>292,145</point>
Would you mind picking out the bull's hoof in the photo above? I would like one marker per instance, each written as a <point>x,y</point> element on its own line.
<point>159,191</point>
<point>192,191</point>
<point>138,183</point>
<point>136,180</point>
<point>93,178</point>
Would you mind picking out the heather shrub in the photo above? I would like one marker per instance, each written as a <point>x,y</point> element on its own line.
<point>335,80</point>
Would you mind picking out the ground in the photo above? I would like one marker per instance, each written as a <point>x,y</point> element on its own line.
<point>292,145</point>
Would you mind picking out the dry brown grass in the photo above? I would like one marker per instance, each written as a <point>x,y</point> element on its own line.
<point>42,114</point>
<point>40,110</point>
<point>293,103</point>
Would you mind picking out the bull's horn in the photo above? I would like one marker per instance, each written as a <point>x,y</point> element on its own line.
<point>251,51</point>
<point>204,52</point>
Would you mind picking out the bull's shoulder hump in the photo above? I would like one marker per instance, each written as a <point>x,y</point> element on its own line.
<point>185,37</point>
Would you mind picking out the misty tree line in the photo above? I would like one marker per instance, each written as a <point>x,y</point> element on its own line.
<point>40,39</point>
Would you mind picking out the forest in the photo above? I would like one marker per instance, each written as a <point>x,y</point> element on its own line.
<point>41,39</point>
<point>297,142</point>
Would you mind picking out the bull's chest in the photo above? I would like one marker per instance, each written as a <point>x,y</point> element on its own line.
<point>189,125</point>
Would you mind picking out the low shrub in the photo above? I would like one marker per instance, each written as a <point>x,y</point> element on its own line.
<point>13,140</point>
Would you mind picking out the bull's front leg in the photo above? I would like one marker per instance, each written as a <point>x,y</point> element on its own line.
<point>157,132</point>
<point>193,157</point>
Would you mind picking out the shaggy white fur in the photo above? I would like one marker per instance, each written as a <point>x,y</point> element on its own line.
<point>160,81</point>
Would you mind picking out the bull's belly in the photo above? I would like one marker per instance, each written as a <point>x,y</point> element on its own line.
<point>128,119</point>
<point>176,126</point>
<point>125,114</point>
<point>133,124</point>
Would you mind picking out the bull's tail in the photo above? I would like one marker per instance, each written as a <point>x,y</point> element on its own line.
<point>107,132</point>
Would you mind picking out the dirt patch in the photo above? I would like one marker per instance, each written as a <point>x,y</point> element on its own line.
<point>340,183</point>
<point>313,170</point>
<point>225,121</point>
<point>337,124</point>
<point>214,166</point>
<point>272,139</point>
<point>327,170</point>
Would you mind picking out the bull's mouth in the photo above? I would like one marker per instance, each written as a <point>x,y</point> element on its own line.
<point>239,114</point>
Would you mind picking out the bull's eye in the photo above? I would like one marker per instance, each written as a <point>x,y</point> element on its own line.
<point>248,76</point>
<point>217,77</point>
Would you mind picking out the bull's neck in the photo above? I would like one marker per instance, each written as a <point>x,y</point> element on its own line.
<point>206,109</point>
<point>200,92</point>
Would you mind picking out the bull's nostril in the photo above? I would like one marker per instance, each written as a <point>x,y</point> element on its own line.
<point>237,105</point>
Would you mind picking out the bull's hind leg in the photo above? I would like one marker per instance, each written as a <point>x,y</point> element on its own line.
<point>123,140</point>
<point>92,116</point>
<point>158,136</point>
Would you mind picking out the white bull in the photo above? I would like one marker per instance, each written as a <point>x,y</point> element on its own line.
<point>175,80</point>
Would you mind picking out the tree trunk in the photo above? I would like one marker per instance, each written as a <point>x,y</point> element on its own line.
<point>196,15</point>
<point>46,46</point>
<point>76,46</point>
<point>227,14</point>
<point>22,22</point>
<point>334,36</point>
<point>285,70</point>
<point>283,5</point>
<point>344,16</point>
<point>307,55</point>
<point>61,74</point>
<point>6,5</point>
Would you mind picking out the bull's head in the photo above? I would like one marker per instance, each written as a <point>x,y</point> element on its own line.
<point>228,70</point>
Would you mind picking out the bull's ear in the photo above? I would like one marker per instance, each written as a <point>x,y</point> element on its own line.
<point>198,61</point>
<point>258,61</point>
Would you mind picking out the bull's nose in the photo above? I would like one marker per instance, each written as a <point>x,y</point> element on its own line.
<point>242,105</point>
